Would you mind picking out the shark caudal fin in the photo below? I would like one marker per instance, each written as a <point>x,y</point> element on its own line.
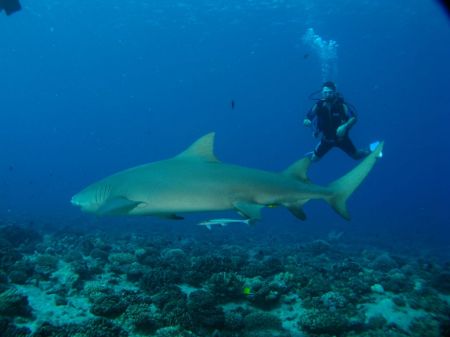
<point>346,185</point>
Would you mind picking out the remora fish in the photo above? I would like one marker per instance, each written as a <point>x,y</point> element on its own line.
<point>195,181</point>
<point>222,222</point>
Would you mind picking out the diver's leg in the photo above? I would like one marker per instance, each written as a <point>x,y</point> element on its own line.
<point>321,149</point>
<point>346,145</point>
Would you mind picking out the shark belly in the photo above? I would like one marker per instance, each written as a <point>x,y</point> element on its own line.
<point>214,187</point>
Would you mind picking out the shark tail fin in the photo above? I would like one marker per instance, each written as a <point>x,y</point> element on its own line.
<point>343,187</point>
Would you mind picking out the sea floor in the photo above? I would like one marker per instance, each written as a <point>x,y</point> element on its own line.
<point>223,282</point>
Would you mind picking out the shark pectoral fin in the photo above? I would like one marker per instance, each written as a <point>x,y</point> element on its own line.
<point>297,210</point>
<point>248,210</point>
<point>298,213</point>
<point>117,206</point>
<point>171,216</point>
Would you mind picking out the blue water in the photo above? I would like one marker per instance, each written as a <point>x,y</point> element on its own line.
<point>91,88</point>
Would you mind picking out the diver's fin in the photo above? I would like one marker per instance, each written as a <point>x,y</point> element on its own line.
<point>343,187</point>
<point>117,206</point>
<point>202,148</point>
<point>248,210</point>
<point>373,146</point>
<point>309,154</point>
<point>299,169</point>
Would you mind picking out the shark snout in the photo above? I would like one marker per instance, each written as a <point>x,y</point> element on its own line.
<point>84,202</point>
<point>78,201</point>
<point>74,201</point>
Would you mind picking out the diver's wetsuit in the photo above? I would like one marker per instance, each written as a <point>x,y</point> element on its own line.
<point>10,6</point>
<point>328,117</point>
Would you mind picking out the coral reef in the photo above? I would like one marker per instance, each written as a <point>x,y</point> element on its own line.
<point>225,286</point>
<point>203,309</point>
<point>75,284</point>
<point>261,320</point>
<point>12,303</point>
<point>108,306</point>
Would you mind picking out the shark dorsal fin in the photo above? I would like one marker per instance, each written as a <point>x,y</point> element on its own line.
<point>299,170</point>
<point>202,148</point>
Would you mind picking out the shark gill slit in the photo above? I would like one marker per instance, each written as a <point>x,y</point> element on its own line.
<point>105,192</point>
<point>97,192</point>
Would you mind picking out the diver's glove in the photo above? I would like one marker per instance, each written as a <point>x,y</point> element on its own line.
<point>306,122</point>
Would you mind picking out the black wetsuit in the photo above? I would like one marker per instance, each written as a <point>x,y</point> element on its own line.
<point>10,6</point>
<point>328,116</point>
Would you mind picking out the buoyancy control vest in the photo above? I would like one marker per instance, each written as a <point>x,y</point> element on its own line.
<point>330,115</point>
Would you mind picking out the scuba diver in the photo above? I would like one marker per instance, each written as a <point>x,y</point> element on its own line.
<point>10,6</point>
<point>332,118</point>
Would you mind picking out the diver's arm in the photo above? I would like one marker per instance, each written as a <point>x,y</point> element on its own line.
<point>346,126</point>
<point>351,121</point>
<point>310,116</point>
<point>349,124</point>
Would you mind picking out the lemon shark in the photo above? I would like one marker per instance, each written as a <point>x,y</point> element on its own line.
<point>196,181</point>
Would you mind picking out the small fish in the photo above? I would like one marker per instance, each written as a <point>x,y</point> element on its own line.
<point>222,222</point>
<point>248,292</point>
<point>232,104</point>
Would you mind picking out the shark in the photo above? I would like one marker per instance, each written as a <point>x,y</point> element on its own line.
<point>196,181</point>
